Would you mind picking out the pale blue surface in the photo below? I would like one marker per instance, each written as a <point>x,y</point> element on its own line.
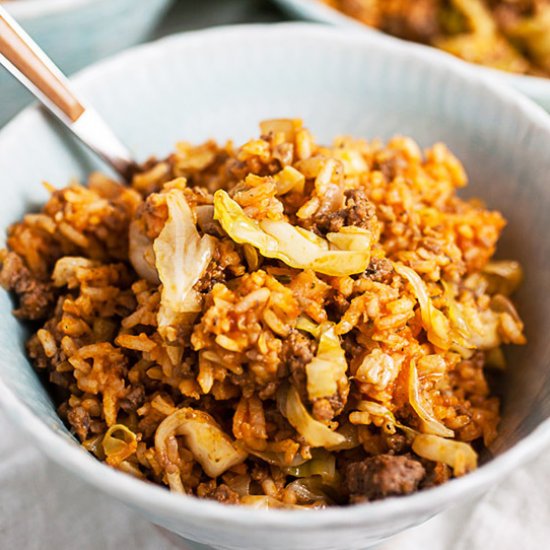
<point>220,84</point>
<point>77,36</point>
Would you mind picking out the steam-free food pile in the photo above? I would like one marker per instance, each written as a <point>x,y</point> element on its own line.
<point>282,324</point>
<point>511,35</point>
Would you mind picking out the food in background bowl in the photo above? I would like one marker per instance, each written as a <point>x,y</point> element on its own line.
<point>282,324</point>
<point>511,35</point>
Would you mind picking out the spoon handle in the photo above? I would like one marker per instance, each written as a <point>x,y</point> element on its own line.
<point>22,57</point>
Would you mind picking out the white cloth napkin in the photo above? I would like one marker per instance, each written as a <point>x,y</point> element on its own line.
<point>42,507</point>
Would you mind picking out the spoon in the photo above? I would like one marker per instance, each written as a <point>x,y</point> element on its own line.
<point>26,61</point>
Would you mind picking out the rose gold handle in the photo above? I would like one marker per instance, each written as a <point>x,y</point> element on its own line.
<point>21,56</point>
<point>17,51</point>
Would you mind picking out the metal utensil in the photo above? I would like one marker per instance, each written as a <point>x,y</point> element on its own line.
<point>26,61</point>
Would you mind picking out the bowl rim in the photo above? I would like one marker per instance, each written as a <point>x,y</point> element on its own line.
<point>315,10</point>
<point>24,10</point>
<point>162,502</point>
<point>29,9</point>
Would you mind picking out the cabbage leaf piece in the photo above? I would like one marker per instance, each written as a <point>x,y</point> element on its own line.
<point>212,448</point>
<point>118,449</point>
<point>293,245</point>
<point>435,323</point>
<point>430,424</point>
<point>328,368</point>
<point>314,432</point>
<point>322,463</point>
<point>456,454</point>
<point>181,257</point>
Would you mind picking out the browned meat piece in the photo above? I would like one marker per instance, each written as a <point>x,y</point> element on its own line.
<point>327,408</point>
<point>226,495</point>
<point>221,493</point>
<point>35,297</point>
<point>436,474</point>
<point>133,400</point>
<point>397,443</point>
<point>379,270</point>
<point>418,20</point>
<point>512,10</point>
<point>391,165</point>
<point>298,351</point>
<point>79,419</point>
<point>213,274</point>
<point>383,475</point>
<point>369,12</point>
<point>36,352</point>
<point>337,304</point>
<point>358,211</point>
<point>322,409</point>
<point>61,379</point>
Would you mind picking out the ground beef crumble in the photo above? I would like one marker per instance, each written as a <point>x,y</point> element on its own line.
<point>298,350</point>
<point>379,270</point>
<point>134,399</point>
<point>383,475</point>
<point>358,211</point>
<point>36,297</point>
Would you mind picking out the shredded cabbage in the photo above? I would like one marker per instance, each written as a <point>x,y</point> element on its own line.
<point>314,432</point>
<point>277,458</point>
<point>461,331</point>
<point>322,464</point>
<point>470,328</point>
<point>181,257</point>
<point>312,490</point>
<point>307,325</point>
<point>507,275</point>
<point>351,238</point>
<point>294,246</point>
<point>434,322</point>
<point>430,424</point>
<point>329,366</point>
<point>119,448</point>
<point>389,421</point>
<point>456,454</point>
<point>351,438</point>
<point>289,179</point>
<point>212,448</point>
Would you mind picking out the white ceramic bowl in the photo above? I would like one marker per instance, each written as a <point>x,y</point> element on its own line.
<point>536,88</point>
<point>220,83</point>
<point>75,33</point>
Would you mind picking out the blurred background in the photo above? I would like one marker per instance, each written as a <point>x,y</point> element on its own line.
<point>77,33</point>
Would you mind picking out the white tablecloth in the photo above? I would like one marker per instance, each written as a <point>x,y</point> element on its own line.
<point>42,507</point>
